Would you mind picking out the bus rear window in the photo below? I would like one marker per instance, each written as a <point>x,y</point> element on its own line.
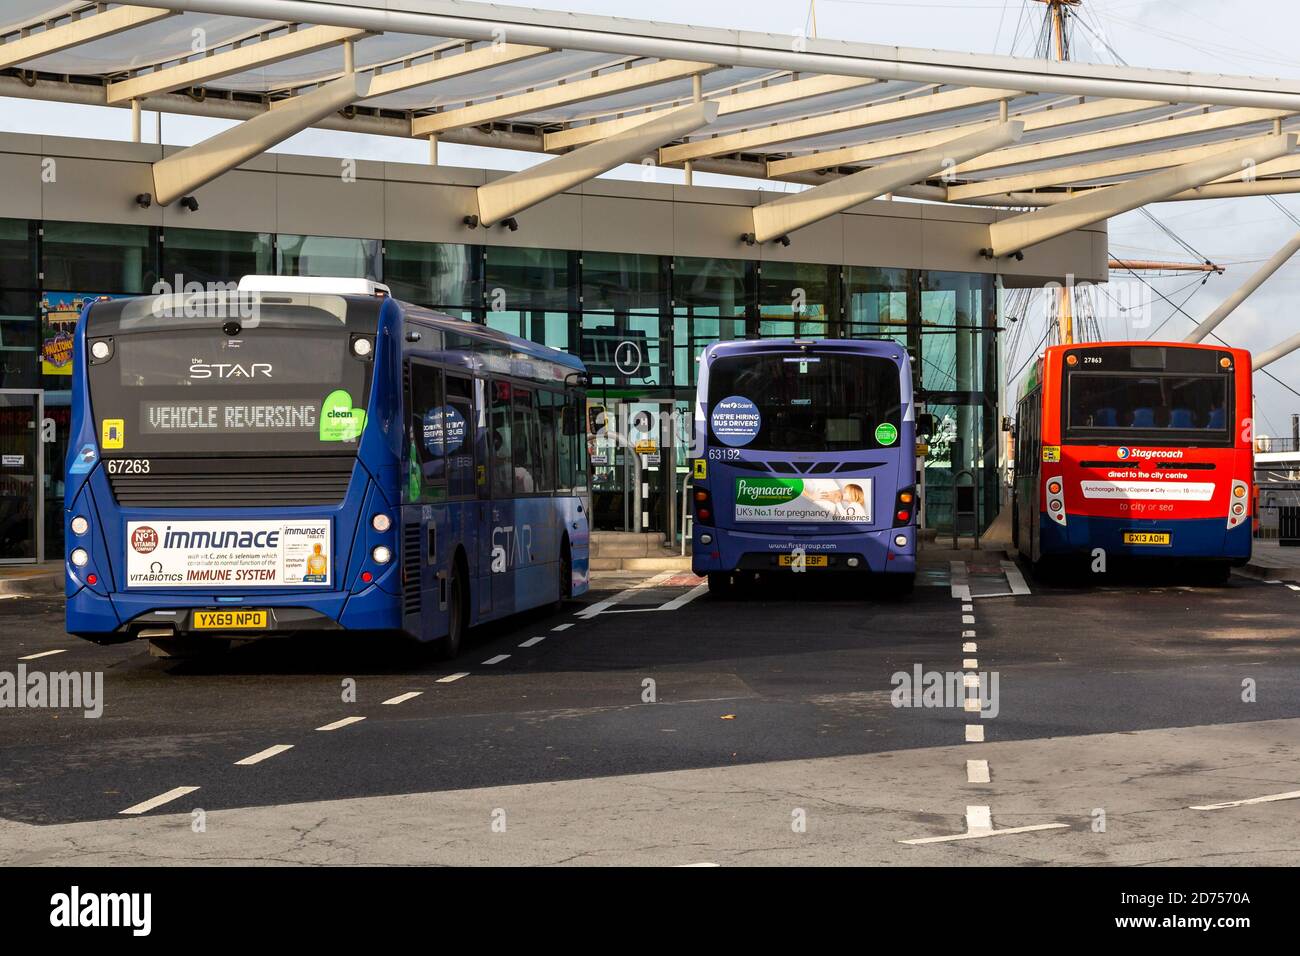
<point>807,402</point>
<point>1128,404</point>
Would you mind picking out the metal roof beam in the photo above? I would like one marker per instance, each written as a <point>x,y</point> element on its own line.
<point>205,69</point>
<point>929,104</point>
<point>876,149</point>
<point>784,215</point>
<point>183,172</point>
<point>504,198</point>
<point>774,94</point>
<point>1242,292</point>
<point>1027,229</point>
<point>1281,350</point>
<point>447,67</point>
<point>85,30</point>
<point>604,84</point>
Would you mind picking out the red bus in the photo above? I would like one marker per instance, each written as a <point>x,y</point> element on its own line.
<point>1141,449</point>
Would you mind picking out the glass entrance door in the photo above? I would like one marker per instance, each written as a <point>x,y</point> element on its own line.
<point>634,464</point>
<point>21,469</point>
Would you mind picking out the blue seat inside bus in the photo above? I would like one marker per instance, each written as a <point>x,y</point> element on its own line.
<point>1216,418</point>
<point>1144,418</point>
<point>1105,418</point>
<point>1181,418</point>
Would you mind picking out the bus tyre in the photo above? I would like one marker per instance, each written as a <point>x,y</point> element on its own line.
<point>720,584</point>
<point>457,611</point>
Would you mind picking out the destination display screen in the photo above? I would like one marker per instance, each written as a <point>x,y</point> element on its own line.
<point>164,418</point>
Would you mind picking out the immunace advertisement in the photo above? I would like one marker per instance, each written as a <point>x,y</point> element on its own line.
<point>183,554</point>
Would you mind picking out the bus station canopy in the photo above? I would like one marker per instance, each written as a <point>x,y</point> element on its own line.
<point>1072,143</point>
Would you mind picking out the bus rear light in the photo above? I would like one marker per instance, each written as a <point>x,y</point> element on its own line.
<point>381,522</point>
<point>1055,503</point>
<point>903,503</point>
<point>80,525</point>
<point>706,539</point>
<point>381,555</point>
<point>366,577</point>
<point>1054,487</point>
<point>1237,512</point>
<point>79,557</point>
<point>92,579</point>
<point>900,540</point>
<point>703,506</point>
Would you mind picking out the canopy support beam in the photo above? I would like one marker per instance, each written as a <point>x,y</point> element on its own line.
<point>1243,291</point>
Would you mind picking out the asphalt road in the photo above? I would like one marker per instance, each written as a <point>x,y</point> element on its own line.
<point>710,723</point>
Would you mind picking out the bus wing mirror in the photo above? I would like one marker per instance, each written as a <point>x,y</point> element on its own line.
<point>925,424</point>
<point>577,380</point>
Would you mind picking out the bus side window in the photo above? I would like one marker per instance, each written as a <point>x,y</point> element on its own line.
<point>499,434</point>
<point>551,410</point>
<point>427,436</point>
<point>527,453</point>
<point>482,440</point>
<point>575,421</point>
<point>460,437</point>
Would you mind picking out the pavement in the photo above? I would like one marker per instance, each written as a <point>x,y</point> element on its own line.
<point>658,724</point>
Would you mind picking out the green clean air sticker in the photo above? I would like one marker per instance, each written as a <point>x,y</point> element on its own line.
<point>766,492</point>
<point>339,420</point>
<point>886,434</point>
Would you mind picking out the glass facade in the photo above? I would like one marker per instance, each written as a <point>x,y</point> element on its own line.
<point>638,321</point>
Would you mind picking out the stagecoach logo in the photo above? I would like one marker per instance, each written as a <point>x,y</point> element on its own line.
<point>144,539</point>
<point>1123,453</point>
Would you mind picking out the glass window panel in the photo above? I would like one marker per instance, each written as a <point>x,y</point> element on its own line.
<point>797,298</point>
<point>523,279</point>
<point>527,443</point>
<point>99,258</point>
<point>458,436</point>
<point>329,256</point>
<point>211,255</point>
<point>955,309</point>
<point>436,274</point>
<point>427,434</point>
<point>620,282</point>
<point>19,340</point>
<point>17,254</point>
<point>499,427</point>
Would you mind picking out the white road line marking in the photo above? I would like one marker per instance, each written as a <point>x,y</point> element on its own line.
<point>970,680</point>
<point>959,579</point>
<point>1015,578</point>
<point>969,663</point>
<point>1272,582</point>
<point>968,618</point>
<point>977,771</point>
<point>533,640</point>
<point>684,599</point>
<point>972,705</point>
<point>698,864</point>
<point>562,627</point>
<point>1294,587</point>
<point>968,648</point>
<point>403,698</point>
<point>968,607</point>
<point>978,819</point>
<point>497,659</point>
<point>32,657</point>
<point>451,677</point>
<point>263,755</point>
<point>341,723</point>
<point>173,794</point>
<point>976,835</point>
<point>967,633</point>
<point>609,602</point>
<point>1271,798</point>
<point>974,733</point>
<point>11,597</point>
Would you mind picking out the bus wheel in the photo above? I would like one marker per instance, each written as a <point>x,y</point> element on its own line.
<point>1214,573</point>
<point>566,576</point>
<point>720,584</point>
<point>457,611</point>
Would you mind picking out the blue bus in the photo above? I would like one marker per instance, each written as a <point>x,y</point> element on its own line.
<point>805,460</point>
<point>310,455</point>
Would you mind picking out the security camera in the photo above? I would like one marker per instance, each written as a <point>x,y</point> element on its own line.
<point>144,200</point>
<point>512,224</point>
<point>190,203</point>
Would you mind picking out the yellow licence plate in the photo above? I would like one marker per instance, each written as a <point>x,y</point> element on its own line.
<point>809,560</point>
<point>230,620</point>
<point>1147,537</point>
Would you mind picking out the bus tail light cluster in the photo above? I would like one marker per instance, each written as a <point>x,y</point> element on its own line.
<point>1238,505</point>
<point>1055,488</point>
<point>703,506</point>
<point>904,507</point>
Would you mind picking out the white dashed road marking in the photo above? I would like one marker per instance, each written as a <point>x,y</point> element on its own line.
<point>1271,798</point>
<point>562,627</point>
<point>32,657</point>
<point>969,663</point>
<point>263,755</point>
<point>968,618</point>
<point>1014,578</point>
<point>685,599</point>
<point>974,733</point>
<point>968,648</point>
<point>977,771</point>
<point>173,794</point>
<point>497,659</point>
<point>403,698</point>
<point>451,678</point>
<point>341,723</point>
<point>979,824</point>
<point>532,640</point>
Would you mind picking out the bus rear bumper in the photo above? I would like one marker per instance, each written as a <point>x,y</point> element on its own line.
<point>873,552</point>
<point>1191,538</point>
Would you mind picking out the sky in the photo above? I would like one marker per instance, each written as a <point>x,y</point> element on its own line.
<point>1242,37</point>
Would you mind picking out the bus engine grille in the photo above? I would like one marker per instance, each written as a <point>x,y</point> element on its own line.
<point>233,482</point>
